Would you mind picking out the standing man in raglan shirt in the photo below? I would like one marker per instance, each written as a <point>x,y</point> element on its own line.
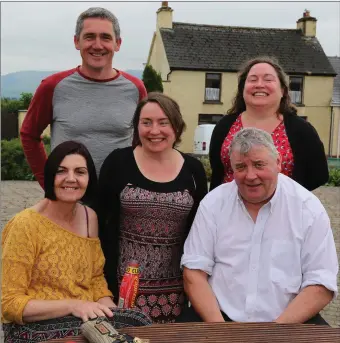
<point>93,103</point>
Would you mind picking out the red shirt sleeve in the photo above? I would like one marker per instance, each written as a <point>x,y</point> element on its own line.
<point>138,83</point>
<point>39,115</point>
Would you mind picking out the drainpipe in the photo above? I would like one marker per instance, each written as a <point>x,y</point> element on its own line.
<point>331,130</point>
<point>168,75</point>
<point>338,146</point>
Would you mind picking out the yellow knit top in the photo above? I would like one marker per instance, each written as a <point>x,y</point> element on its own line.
<point>43,261</point>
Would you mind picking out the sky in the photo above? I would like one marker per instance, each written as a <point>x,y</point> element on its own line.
<point>39,35</point>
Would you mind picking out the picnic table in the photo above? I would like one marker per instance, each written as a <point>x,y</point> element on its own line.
<point>228,332</point>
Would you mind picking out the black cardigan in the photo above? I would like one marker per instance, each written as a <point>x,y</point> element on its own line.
<point>114,175</point>
<point>310,162</point>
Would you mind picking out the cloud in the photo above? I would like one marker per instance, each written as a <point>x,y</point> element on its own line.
<point>39,36</point>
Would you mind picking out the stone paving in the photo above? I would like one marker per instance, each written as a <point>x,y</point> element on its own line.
<point>17,195</point>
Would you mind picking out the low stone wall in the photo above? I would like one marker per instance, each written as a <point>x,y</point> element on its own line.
<point>17,195</point>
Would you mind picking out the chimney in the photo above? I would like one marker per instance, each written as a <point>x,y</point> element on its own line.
<point>307,24</point>
<point>164,16</point>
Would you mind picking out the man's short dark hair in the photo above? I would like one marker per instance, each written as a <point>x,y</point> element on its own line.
<point>53,162</point>
<point>97,12</point>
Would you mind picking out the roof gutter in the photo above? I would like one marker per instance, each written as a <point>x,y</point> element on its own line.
<point>236,71</point>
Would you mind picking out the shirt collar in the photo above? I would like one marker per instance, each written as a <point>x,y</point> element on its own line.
<point>271,203</point>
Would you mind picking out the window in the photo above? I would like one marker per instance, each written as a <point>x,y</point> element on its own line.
<point>212,87</point>
<point>209,118</point>
<point>295,89</point>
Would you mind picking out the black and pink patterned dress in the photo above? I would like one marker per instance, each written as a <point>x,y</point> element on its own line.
<point>148,222</point>
<point>151,230</point>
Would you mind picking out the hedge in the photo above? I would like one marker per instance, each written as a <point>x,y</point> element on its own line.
<point>13,161</point>
<point>14,165</point>
<point>334,177</point>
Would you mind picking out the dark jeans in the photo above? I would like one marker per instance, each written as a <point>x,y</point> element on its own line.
<point>190,315</point>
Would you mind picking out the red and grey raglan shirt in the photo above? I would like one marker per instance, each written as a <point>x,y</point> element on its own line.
<point>97,113</point>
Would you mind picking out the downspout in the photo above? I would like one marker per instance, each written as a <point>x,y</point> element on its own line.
<point>168,74</point>
<point>331,130</point>
<point>338,147</point>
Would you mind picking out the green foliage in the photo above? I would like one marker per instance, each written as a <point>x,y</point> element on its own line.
<point>206,164</point>
<point>334,177</point>
<point>25,99</point>
<point>152,80</point>
<point>13,161</point>
<point>14,105</point>
<point>10,105</point>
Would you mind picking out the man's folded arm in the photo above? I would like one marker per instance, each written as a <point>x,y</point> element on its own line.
<point>319,272</point>
<point>198,262</point>
<point>201,295</point>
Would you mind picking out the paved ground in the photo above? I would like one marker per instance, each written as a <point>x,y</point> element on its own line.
<point>17,195</point>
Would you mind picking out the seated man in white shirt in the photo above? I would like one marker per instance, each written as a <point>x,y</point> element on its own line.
<point>261,248</point>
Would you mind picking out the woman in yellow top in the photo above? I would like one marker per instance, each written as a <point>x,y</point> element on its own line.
<point>52,262</point>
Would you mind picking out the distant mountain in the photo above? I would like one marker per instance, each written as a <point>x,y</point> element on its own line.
<point>13,84</point>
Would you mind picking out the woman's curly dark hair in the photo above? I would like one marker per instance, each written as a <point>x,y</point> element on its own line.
<point>239,105</point>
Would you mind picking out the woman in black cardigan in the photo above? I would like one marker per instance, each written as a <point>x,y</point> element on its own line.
<point>263,101</point>
<point>147,199</point>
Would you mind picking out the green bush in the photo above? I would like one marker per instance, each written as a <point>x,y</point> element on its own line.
<point>334,177</point>
<point>13,161</point>
<point>206,164</point>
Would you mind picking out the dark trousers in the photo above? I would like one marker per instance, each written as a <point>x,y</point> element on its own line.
<point>190,315</point>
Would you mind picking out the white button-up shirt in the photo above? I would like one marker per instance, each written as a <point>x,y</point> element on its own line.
<point>256,269</point>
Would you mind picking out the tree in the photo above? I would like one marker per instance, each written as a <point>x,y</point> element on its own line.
<point>25,99</point>
<point>11,105</point>
<point>152,80</point>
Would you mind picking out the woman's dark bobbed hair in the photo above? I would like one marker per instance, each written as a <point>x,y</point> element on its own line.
<point>54,160</point>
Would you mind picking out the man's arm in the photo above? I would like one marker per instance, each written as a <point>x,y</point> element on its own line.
<point>201,295</point>
<point>306,305</point>
<point>319,265</point>
<point>38,117</point>
<point>198,261</point>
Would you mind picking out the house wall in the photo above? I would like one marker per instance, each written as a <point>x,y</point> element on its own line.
<point>317,96</point>
<point>158,57</point>
<point>187,88</point>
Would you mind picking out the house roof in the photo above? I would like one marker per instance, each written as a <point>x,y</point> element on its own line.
<point>225,48</point>
<point>335,62</point>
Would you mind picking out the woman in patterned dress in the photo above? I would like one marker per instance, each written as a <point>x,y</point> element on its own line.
<point>263,101</point>
<point>148,196</point>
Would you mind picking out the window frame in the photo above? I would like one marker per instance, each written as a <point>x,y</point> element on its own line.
<point>205,87</point>
<point>302,88</point>
<point>200,115</point>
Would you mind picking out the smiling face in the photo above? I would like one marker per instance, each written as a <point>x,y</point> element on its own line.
<point>256,174</point>
<point>97,44</point>
<point>154,128</point>
<point>262,87</point>
<point>71,179</point>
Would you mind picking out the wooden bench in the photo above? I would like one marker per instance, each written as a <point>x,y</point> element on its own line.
<point>228,333</point>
